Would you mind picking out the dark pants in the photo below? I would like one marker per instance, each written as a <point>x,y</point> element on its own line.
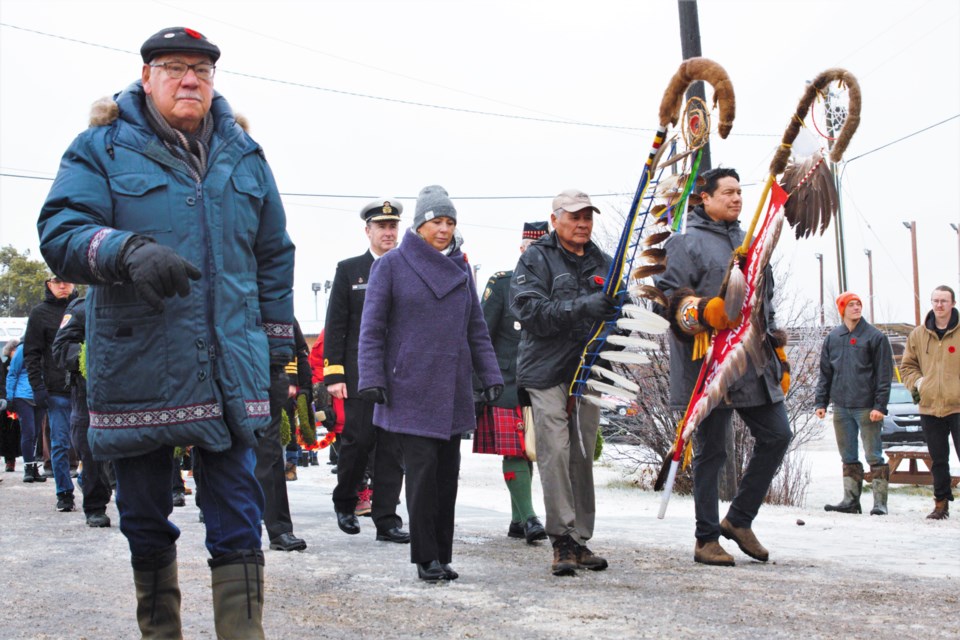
<point>359,440</point>
<point>433,470</point>
<point>96,484</point>
<point>230,499</point>
<point>29,428</point>
<point>270,474</point>
<point>770,427</point>
<point>937,432</point>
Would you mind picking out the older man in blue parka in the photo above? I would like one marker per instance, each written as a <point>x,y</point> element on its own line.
<point>169,210</point>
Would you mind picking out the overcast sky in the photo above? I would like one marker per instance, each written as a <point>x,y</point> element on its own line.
<point>364,98</point>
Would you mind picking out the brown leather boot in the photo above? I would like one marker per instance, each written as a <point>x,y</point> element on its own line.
<point>745,539</point>
<point>941,510</point>
<point>564,557</point>
<point>712,553</point>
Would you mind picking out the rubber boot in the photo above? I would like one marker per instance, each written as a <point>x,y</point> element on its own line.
<point>237,580</point>
<point>852,486</point>
<point>880,484</point>
<point>158,595</point>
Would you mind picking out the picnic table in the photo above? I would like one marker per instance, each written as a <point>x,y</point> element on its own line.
<point>912,474</point>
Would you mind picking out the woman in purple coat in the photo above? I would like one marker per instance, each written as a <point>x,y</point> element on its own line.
<point>422,335</point>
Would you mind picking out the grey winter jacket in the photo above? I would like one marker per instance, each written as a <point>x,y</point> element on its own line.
<point>855,368</point>
<point>546,281</point>
<point>698,259</point>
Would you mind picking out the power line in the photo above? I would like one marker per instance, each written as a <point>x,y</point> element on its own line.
<point>909,135</point>
<point>426,105</point>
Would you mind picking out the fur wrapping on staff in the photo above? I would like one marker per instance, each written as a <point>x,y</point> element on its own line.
<point>690,71</point>
<point>815,88</point>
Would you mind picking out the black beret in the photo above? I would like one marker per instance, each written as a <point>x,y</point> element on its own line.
<point>175,39</point>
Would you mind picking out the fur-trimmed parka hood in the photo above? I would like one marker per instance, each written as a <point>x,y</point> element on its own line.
<point>105,111</point>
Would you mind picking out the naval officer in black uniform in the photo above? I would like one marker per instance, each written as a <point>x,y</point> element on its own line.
<point>360,438</point>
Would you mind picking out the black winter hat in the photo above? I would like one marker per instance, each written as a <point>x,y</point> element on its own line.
<point>175,39</point>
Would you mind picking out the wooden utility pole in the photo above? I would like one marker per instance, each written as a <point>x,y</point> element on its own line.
<point>870,280</point>
<point>912,226</point>
<point>690,48</point>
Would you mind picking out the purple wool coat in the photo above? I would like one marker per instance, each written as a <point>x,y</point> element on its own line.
<point>422,335</point>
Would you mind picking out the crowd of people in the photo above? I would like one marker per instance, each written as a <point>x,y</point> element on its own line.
<point>167,209</point>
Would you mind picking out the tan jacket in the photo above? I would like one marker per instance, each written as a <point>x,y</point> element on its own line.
<point>938,363</point>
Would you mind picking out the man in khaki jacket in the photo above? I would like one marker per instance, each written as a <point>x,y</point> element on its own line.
<point>931,369</point>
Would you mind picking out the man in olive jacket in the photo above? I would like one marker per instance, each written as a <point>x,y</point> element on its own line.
<point>856,365</point>
<point>931,368</point>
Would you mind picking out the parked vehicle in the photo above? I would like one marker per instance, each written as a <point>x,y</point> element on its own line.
<point>902,422</point>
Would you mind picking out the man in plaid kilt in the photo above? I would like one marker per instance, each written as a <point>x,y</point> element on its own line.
<point>500,424</point>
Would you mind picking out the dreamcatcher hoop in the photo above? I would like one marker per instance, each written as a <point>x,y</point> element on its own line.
<point>696,123</point>
<point>835,111</point>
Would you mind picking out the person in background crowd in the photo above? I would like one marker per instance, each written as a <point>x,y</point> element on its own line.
<point>335,404</point>
<point>931,369</point>
<point>856,365</point>
<point>500,424</point>
<point>67,351</point>
<point>421,338</point>
<point>10,433</point>
<point>49,380</point>
<point>169,210</point>
<point>362,438</point>
<point>20,400</point>
<point>270,452</point>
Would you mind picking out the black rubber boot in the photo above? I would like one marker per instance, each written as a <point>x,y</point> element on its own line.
<point>852,487</point>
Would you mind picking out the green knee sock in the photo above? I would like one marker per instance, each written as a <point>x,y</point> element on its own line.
<point>516,473</point>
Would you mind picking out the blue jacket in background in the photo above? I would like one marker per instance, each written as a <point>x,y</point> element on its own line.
<point>198,372</point>
<point>18,383</point>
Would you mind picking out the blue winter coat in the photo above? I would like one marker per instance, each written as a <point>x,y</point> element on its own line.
<point>198,372</point>
<point>18,383</point>
<point>422,335</point>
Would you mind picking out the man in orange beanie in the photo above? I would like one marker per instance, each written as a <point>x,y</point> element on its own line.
<point>856,365</point>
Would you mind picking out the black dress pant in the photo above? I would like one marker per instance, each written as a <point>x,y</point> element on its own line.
<point>937,433</point>
<point>96,483</point>
<point>433,472</point>
<point>359,440</point>
<point>269,471</point>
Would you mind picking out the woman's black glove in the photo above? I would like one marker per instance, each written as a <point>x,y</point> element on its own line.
<point>490,394</point>
<point>377,395</point>
<point>156,271</point>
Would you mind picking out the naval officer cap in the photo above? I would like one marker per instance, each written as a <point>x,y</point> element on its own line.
<point>382,209</point>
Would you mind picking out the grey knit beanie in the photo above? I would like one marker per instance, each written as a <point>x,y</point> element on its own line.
<point>433,202</point>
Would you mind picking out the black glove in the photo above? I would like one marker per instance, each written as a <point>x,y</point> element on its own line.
<point>329,420</point>
<point>490,394</point>
<point>156,271</point>
<point>596,306</point>
<point>377,395</point>
<point>40,397</point>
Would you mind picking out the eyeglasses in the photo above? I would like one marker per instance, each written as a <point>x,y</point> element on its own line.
<point>936,302</point>
<point>176,70</point>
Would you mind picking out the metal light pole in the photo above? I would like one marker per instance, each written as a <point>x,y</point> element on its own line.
<point>317,287</point>
<point>912,226</point>
<point>870,278</point>
<point>819,257</point>
<point>954,226</point>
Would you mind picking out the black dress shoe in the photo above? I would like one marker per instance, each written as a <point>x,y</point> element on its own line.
<point>431,571</point>
<point>515,530</point>
<point>533,530</point>
<point>287,542</point>
<point>348,523</point>
<point>451,574</point>
<point>393,534</point>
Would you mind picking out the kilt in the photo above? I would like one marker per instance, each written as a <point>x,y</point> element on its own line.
<point>499,431</point>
